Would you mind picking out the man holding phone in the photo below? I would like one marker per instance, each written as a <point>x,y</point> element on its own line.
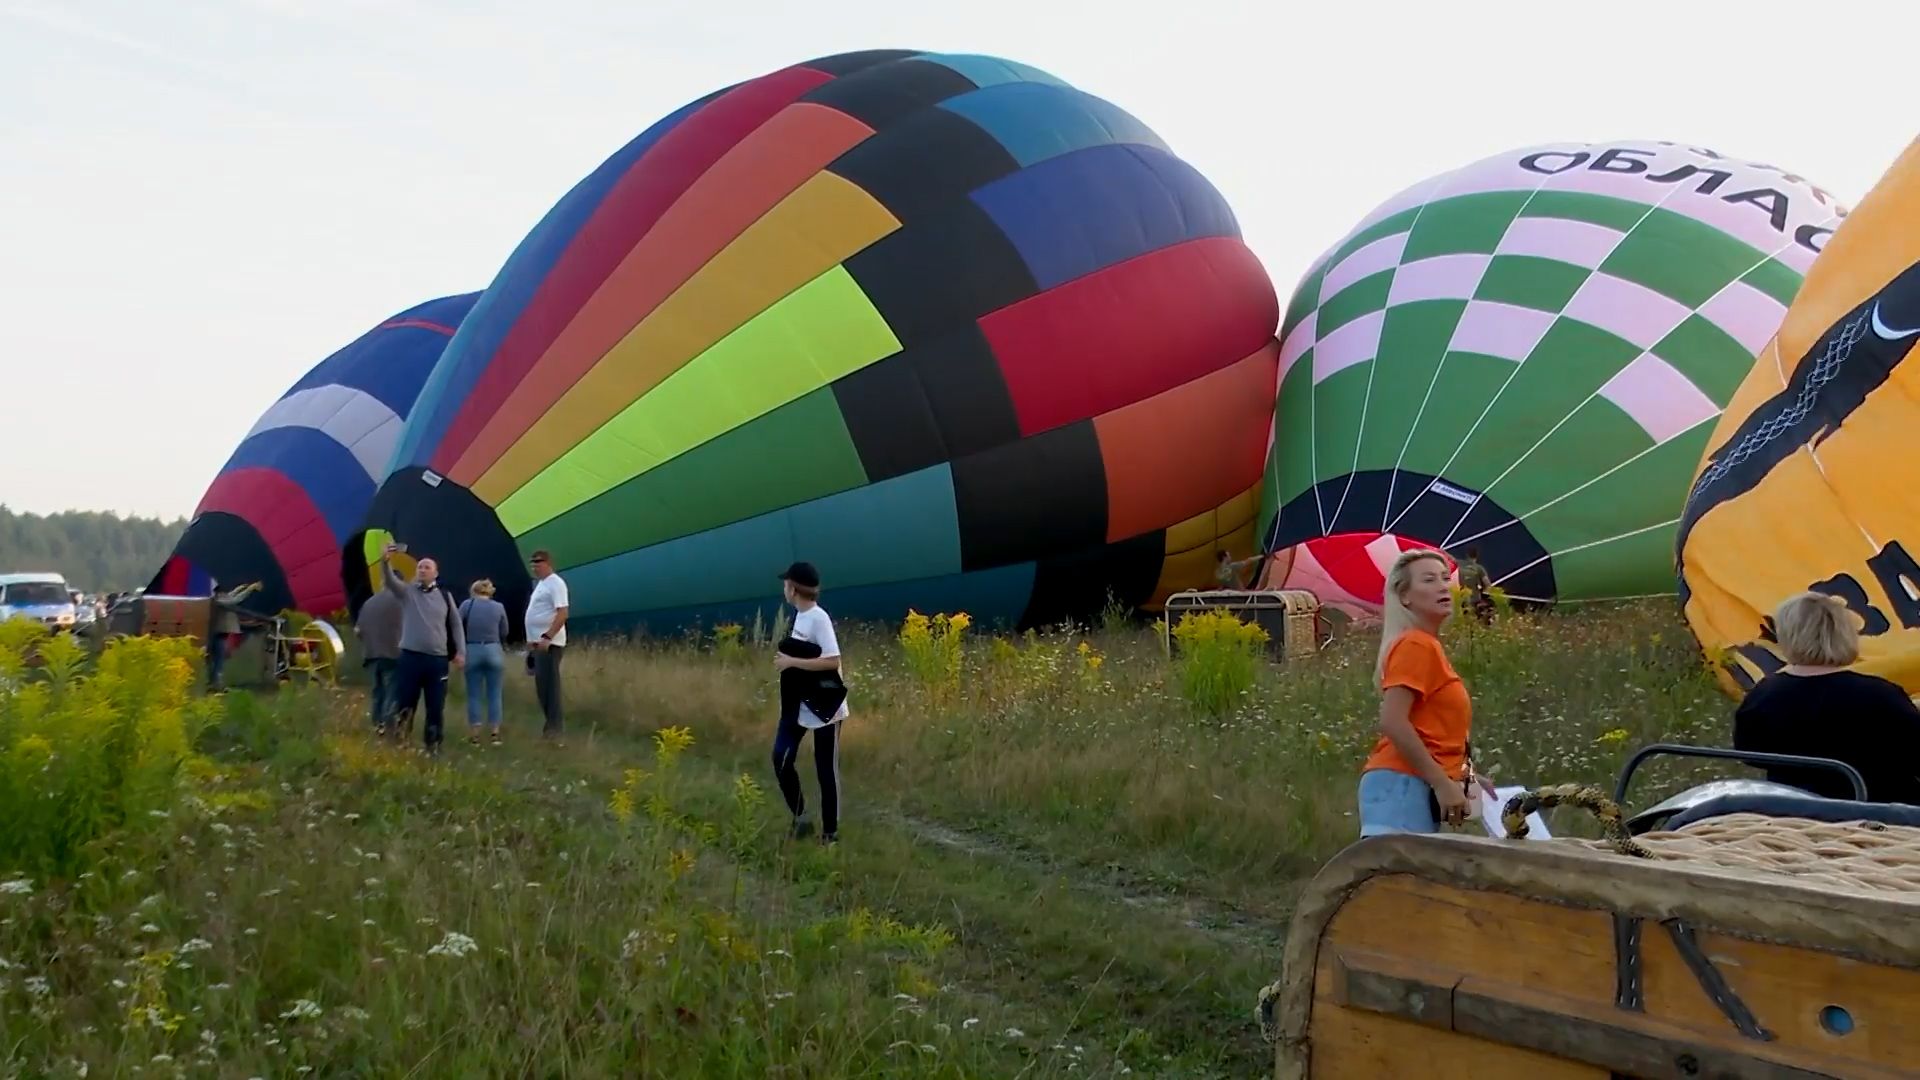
<point>432,640</point>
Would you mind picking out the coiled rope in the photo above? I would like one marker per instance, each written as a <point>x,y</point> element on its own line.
<point>1613,826</point>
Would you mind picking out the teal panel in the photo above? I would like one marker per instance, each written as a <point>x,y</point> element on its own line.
<point>897,530</point>
<point>995,598</point>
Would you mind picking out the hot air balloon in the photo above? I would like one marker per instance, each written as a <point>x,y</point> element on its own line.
<point>1810,481</point>
<point>1525,356</point>
<point>957,333</point>
<point>301,481</point>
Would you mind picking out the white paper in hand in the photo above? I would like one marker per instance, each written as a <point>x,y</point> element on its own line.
<point>1493,801</point>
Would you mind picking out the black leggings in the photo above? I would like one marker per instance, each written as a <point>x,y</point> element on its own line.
<point>826,762</point>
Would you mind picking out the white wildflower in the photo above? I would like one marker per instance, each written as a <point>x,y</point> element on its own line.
<point>970,1023</point>
<point>454,944</point>
<point>149,928</point>
<point>222,828</point>
<point>16,887</point>
<point>196,945</point>
<point>221,986</point>
<point>630,945</point>
<point>251,932</point>
<point>1016,1033</point>
<point>163,1059</point>
<point>302,1010</point>
<point>38,986</point>
<point>354,1012</point>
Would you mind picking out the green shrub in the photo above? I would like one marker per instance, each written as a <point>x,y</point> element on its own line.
<point>84,754</point>
<point>1219,659</point>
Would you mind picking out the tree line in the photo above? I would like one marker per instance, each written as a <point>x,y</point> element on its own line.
<point>97,551</point>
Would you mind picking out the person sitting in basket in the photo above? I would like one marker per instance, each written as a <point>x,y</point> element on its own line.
<point>1816,707</point>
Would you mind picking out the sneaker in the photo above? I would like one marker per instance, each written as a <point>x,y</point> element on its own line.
<point>473,738</point>
<point>829,839</point>
<point>496,738</point>
<point>801,829</point>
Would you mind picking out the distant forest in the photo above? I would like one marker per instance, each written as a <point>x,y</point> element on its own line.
<point>96,551</point>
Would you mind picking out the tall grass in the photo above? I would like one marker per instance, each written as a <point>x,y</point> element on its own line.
<point>1053,865</point>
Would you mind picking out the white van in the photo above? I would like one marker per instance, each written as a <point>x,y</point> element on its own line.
<point>44,598</point>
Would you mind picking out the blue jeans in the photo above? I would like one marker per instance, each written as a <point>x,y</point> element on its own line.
<point>486,670</point>
<point>1393,802</point>
<point>380,698</point>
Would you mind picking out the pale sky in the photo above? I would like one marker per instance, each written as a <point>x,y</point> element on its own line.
<point>200,199</point>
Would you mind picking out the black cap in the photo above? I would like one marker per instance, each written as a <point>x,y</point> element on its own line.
<point>802,574</point>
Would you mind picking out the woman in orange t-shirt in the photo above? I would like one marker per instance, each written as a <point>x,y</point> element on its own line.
<point>1416,776</point>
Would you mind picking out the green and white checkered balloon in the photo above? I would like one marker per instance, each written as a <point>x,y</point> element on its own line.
<point>1526,357</point>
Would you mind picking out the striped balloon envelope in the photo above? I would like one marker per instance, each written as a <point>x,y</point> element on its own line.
<point>1346,571</point>
<point>301,481</point>
<point>1527,355</point>
<point>957,333</point>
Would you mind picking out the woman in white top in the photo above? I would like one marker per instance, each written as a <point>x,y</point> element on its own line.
<point>808,661</point>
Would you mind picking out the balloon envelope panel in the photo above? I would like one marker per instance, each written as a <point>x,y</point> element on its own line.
<point>956,332</point>
<point>1809,481</point>
<point>1526,356</point>
<point>302,479</point>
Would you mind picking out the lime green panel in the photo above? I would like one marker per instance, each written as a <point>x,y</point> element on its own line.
<point>1681,258</point>
<point>1646,491</point>
<point>1598,436</point>
<point>1616,214</point>
<point>1363,297</point>
<point>820,332</point>
<point>1338,403</point>
<point>1413,339</point>
<point>1571,362</point>
<point>1291,461</point>
<point>1464,224</point>
<point>1531,282</point>
<point>1708,356</point>
<point>1637,565</point>
<point>1776,279</point>
<point>798,452</point>
<point>1467,382</point>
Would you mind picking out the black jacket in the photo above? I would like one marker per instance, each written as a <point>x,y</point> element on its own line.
<point>822,691</point>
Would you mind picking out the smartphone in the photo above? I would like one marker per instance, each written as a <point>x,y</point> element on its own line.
<point>400,549</point>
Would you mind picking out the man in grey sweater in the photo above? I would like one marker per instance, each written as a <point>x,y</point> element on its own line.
<point>379,629</point>
<point>431,639</point>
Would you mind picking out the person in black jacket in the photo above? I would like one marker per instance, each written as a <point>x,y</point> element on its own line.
<point>1815,707</point>
<point>812,698</point>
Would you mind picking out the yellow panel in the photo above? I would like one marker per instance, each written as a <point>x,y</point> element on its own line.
<point>809,232</point>
<point>1191,544</point>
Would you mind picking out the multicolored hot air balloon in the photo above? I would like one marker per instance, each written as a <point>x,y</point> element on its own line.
<point>1526,356</point>
<point>1810,481</point>
<point>959,334</point>
<point>301,481</point>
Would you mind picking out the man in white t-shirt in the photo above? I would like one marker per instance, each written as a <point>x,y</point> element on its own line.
<point>547,637</point>
<point>808,660</point>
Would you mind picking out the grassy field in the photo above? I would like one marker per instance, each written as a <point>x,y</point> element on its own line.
<point>1054,865</point>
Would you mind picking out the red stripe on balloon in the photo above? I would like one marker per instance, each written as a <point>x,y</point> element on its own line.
<point>1132,330</point>
<point>292,527</point>
<point>632,207</point>
<point>417,324</point>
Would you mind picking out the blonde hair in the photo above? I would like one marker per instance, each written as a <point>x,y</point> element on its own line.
<point>1817,630</point>
<point>1396,619</point>
<point>483,587</point>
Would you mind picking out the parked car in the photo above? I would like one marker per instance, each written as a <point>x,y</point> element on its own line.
<point>41,597</point>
